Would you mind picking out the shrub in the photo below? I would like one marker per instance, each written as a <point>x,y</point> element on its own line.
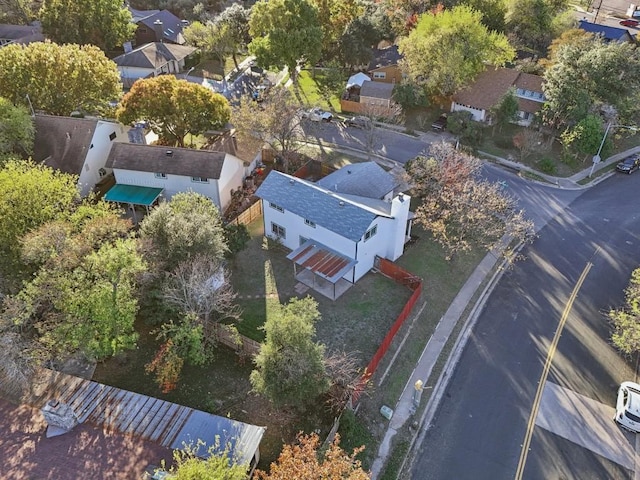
<point>546,165</point>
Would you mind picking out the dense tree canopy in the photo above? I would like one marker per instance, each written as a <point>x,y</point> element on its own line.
<point>104,23</point>
<point>212,38</point>
<point>236,19</point>
<point>16,12</point>
<point>182,228</point>
<point>189,465</point>
<point>578,82</point>
<point>304,460</point>
<point>534,23</point>
<point>174,108</point>
<point>44,70</point>
<point>16,129</point>
<point>285,33</point>
<point>626,320</point>
<point>334,17</point>
<point>448,50</point>
<point>460,209</point>
<point>290,367</point>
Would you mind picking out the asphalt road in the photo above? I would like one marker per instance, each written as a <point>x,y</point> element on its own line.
<point>481,424</point>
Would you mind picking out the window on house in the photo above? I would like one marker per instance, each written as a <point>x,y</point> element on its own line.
<point>278,231</point>
<point>200,179</point>
<point>371,232</point>
<point>379,74</point>
<point>160,175</point>
<point>112,136</point>
<point>276,207</point>
<point>310,223</point>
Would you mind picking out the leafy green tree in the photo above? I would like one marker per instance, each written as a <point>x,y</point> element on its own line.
<point>410,95</point>
<point>189,465</point>
<point>626,320</point>
<point>579,81</point>
<point>212,38</point>
<point>237,237</point>
<point>42,195</point>
<point>448,50</point>
<point>236,19</point>
<point>43,70</point>
<point>334,17</point>
<point>290,367</point>
<point>458,207</point>
<point>493,13</point>
<point>16,129</point>
<point>531,22</point>
<point>104,23</point>
<point>285,33</point>
<point>585,137</point>
<point>182,228</point>
<point>506,110</point>
<point>355,45</point>
<point>174,108</point>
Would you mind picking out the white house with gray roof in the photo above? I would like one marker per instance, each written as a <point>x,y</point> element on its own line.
<point>336,227</point>
<point>157,171</point>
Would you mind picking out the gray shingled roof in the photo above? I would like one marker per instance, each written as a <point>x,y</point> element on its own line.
<point>367,179</point>
<point>312,202</point>
<point>188,162</point>
<point>385,57</point>
<point>63,142</point>
<point>377,89</point>
<point>153,55</point>
<point>22,34</point>
<point>171,25</point>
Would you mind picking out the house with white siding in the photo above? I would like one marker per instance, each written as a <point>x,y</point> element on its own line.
<point>79,146</point>
<point>144,173</point>
<point>337,226</point>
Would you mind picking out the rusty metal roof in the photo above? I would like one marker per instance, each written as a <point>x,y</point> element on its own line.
<point>322,260</point>
<point>162,422</point>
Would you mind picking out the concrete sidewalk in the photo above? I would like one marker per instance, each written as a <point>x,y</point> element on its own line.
<point>404,410</point>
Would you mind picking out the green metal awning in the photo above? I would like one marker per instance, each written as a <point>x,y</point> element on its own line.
<point>133,194</point>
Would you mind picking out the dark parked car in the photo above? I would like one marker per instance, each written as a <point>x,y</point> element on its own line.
<point>440,123</point>
<point>629,164</point>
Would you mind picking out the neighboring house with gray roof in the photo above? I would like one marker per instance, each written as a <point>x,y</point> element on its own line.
<point>489,88</point>
<point>335,235</point>
<point>172,170</point>
<point>22,34</point>
<point>366,179</point>
<point>79,146</point>
<point>157,26</point>
<point>377,94</point>
<point>151,60</point>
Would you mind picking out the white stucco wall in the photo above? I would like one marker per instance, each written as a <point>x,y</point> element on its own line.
<point>135,72</point>
<point>172,185</point>
<point>478,115</point>
<point>98,153</point>
<point>231,178</point>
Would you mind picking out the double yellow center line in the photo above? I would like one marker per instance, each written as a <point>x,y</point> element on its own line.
<point>545,372</point>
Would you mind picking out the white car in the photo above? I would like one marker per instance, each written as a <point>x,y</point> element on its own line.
<point>316,114</point>
<point>628,407</point>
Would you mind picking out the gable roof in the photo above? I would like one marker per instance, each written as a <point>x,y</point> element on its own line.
<point>366,179</point>
<point>333,211</point>
<point>153,55</point>
<point>488,88</point>
<point>376,89</point>
<point>20,34</point>
<point>63,142</point>
<point>162,422</point>
<point>188,162</point>
<point>171,25</point>
<point>607,32</point>
<point>385,57</point>
<point>138,15</point>
<point>493,83</point>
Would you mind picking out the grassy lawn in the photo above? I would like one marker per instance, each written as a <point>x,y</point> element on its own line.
<point>311,96</point>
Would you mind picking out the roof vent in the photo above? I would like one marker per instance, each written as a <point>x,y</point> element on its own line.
<point>291,181</point>
<point>341,203</point>
<point>349,172</point>
<point>401,197</point>
<point>169,153</point>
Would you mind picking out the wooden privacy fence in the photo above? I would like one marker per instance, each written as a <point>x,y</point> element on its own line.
<point>249,215</point>
<point>244,346</point>
<point>409,280</point>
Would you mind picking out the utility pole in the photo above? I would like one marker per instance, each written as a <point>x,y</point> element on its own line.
<point>595,18</point>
